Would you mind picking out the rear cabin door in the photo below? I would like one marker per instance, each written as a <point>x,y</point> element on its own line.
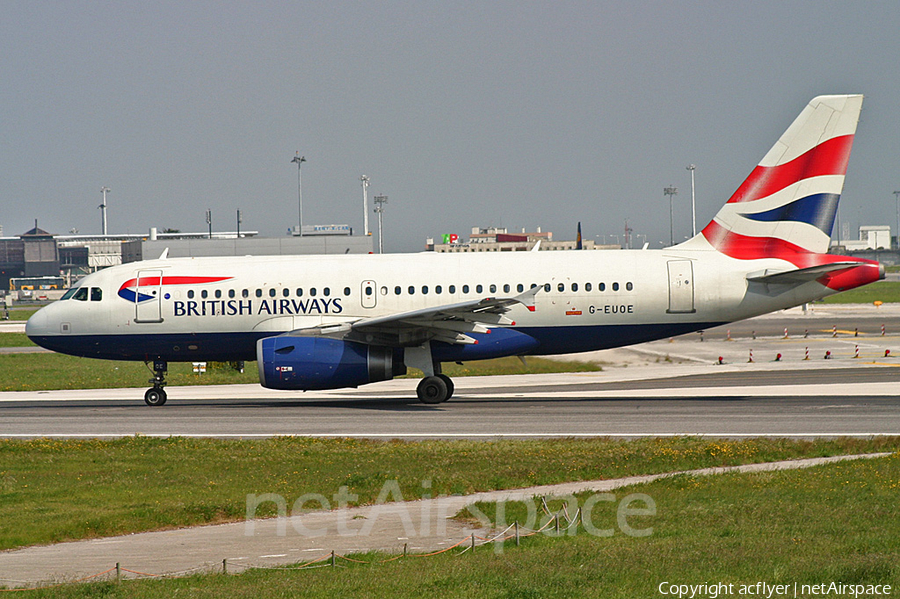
<point>681,287</point>
<point>147,296</point>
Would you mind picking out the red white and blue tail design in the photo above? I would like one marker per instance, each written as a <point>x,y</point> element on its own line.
<point>788,203</point>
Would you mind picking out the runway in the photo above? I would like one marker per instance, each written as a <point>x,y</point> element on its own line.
<point>734,402</point>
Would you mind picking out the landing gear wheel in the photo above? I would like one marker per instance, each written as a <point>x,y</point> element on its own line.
<point>449,382</point>
<point>155,397</point>
<point>432,390</point>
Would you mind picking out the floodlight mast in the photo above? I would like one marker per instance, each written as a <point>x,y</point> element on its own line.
<point>671,191</point>
<point>365,187</point>
<point>380,201</point>
<point>104,190</point>
<point>300,160</point>
<point>692,168</point>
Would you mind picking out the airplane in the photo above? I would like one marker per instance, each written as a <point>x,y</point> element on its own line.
<point>329,322</point>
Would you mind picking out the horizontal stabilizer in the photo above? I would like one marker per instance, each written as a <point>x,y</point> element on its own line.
<point>800,275</point>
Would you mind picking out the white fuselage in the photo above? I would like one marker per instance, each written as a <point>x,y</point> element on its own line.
<point>189,309</point>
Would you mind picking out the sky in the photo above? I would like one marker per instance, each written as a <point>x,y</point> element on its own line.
<point>516,114</point>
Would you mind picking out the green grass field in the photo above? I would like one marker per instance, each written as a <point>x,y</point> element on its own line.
<point>884,291</point>
<point>834,523</point>
<point>57,490</point>
<point>39,372</point>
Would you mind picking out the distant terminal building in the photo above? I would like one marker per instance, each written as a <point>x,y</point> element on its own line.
<point>38,253</point>
<point>498,239</point>
<point>871,237</point>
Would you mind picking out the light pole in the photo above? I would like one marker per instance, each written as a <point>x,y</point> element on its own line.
<point>365,186</point>
<point>380,201</point>
<point>897,197</point>
<point>104,190</point>
<point>671,191</point>
<point>240,219</point>
<point>691,168</point>
<point>209,221</point>
<point>300,160</point>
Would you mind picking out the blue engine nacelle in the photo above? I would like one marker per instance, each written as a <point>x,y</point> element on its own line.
<point>307,363</point>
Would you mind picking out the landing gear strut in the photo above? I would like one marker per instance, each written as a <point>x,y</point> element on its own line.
<point>156,395</point>
<point>435,389</point>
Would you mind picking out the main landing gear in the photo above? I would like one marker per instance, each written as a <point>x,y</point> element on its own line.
<point>435,389</point>
<point>156,395</point>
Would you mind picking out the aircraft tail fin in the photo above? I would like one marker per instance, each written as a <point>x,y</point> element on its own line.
<point>788,203</point>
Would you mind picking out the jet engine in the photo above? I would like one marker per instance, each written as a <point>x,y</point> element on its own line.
<point>307,363</point>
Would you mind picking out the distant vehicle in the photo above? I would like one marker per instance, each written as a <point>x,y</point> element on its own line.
<point>34,283</point>
<point>326,322</point>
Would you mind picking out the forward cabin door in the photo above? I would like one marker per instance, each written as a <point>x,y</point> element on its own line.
<point>681,287</point>
<point>147,296</point>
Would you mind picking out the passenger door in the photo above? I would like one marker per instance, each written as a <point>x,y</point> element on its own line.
<point>147,300</point>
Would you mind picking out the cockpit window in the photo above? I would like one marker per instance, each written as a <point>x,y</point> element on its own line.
<point>96,294</point>
<point>69,293</point>
<point>81,295</point>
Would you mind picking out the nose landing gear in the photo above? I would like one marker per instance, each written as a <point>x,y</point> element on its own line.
<point>156,395</point>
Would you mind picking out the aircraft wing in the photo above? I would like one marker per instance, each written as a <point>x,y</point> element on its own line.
<point>450,323</point>
<point>800,275</point>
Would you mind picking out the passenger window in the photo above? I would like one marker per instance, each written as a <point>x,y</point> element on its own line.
<point>478,288</point>
<point>272,292</point>
<point>347,291</point>
<point>286,292</point>
<point>520,287</point>
<point>561,287</point>
<point>299,292</point>
<point>574,287</point>
<point>424,289</point>
<point>204,294</point>
<point>587,287</point>
<point>231,293</point>
<point>615,286</point>
<point>546,286</point>
<point>452,289</point>
<point>602,286</point>
<point>312,291</point>
<point>259,293</point>
<point>411,290</point>
<point>629,286</point>
<point>398,290</point>
<point>81,295</point>
<point>218,293</point>
<point>96,294</point>
<point>438,289</point>
<point>465,289</point>
<point>369,290</point>
<point>493,288</point>
<point>190,294</point>
<point>327,291</point>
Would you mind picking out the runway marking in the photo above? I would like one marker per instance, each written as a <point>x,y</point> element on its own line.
<point>443,435</point>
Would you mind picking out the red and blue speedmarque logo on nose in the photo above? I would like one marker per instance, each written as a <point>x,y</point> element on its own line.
<point>135,290</point>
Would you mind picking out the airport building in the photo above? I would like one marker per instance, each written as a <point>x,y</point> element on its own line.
<point>38,253</point>
<point>498,239</point>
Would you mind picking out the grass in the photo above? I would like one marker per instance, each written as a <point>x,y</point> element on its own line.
<point>20,313</point>
<point>58,490</point>
<point>40,372</point>
<point>834,523</point>
<point>15,340</point>
<point>884,291</point>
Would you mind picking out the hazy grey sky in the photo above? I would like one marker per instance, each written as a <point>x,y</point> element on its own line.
<point>518,114</point>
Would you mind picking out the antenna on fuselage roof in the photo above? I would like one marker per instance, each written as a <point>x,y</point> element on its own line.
<point>165,254</point>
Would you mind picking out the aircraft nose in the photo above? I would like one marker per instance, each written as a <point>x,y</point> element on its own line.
<point>39,324</point>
